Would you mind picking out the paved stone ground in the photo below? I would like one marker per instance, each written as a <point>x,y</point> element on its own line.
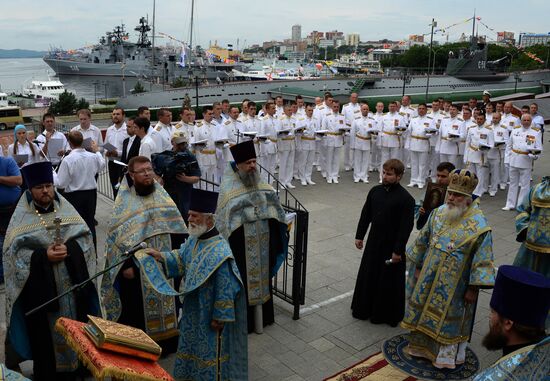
<point>328,339</point>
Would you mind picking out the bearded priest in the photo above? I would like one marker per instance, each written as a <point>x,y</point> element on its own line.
<point>453,257</point>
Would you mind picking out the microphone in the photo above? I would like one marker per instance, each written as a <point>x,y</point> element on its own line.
<point>133,250</point>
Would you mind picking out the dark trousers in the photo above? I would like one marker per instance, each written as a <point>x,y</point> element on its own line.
<point>115,171</point>
<point>85,204</point>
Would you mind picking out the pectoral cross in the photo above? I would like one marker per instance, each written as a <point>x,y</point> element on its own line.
<point>57,226</point>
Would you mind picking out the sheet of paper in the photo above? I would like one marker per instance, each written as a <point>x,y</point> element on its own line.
<point>54,146</point>
<point>109,147</point>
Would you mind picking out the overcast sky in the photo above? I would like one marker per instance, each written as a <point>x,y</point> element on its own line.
<point>32,24</point>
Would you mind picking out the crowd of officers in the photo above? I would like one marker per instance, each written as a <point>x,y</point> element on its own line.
<point>293,138</point>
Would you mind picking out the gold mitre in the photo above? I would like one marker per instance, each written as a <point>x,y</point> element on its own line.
<point>462,181</point>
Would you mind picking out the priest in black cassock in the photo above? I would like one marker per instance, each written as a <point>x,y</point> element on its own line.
<point>389,211</point>
<point>48,249</point>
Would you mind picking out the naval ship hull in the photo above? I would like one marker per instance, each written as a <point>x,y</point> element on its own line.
<point>133,69</point>
<point>372,88</point>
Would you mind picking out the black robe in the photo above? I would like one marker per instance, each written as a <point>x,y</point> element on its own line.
<point>380,288</point>
<point>41,287</point>
<point>236,242</point>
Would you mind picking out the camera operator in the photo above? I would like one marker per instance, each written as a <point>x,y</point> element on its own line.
<point>179,171</point>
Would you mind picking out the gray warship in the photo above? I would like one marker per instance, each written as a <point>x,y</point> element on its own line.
<point>468,73</point>
<point>116,56</point>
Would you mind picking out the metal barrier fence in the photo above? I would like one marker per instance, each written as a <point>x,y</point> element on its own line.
<point>290,282</point>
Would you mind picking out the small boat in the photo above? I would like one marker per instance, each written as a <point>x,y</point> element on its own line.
<point>46,90</point>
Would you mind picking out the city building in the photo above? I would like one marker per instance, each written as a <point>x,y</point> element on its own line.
<point>296,33</point>
<point>530,39</point>
<point>334,35</point>
<point>505,37</point>
<point>416,37</point>
<point>353,39</point>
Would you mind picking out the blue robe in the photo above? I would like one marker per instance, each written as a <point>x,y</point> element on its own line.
<point>212,290</point>
<point>452,257</point>
<point>137,219</point>
<point>531,363</point>
<point>533,228</point>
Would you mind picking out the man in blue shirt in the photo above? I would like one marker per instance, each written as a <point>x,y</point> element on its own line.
<point>10,180</point>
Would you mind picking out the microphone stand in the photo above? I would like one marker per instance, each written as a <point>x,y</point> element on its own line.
<point>80,285</point>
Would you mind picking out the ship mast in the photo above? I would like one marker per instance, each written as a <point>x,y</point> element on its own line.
<point>191,28</point>
<point>153,40</point>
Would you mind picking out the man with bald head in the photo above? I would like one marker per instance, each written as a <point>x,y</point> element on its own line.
<point>524,147</point>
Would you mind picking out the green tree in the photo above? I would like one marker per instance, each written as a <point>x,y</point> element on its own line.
<point>65,105</point>
<point>81,104</point>
<point>179,82</point>
<point>138,88</point>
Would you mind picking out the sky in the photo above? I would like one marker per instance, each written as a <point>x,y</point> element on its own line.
<point>70,24</point>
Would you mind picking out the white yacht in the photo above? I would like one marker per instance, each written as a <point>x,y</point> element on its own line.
<point>44,89</point>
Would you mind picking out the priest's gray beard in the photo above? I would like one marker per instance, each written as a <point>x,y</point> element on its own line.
<point>197,230</point>
<point>452,213</point>
<point>249,179</point>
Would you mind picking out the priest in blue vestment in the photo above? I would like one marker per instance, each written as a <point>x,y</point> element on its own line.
<point>519,306</point>
<point>213,335</point>
<point>250,216</point>
<point>453,259</point>
<point>533,228</point>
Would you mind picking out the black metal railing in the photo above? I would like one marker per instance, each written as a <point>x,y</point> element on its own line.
<point>290,282</point>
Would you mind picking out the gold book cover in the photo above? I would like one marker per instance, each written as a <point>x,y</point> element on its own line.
<point>121,335</point>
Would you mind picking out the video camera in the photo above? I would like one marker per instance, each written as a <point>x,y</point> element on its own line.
<point>168,164</point>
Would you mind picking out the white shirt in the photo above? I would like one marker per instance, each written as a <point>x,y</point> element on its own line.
<point>147,147</point>
<point>285,141</point>
<point>310,125</point>
<point>420,142</point>
<point>91,132</point>
<point>361,131</point>
<point>55,135</point>
<point>520,142</point>
<point>77,171</point>
<point>408,112</point>
<point>116,136</point>
<point>390,136</point>
<point>207,156</point>
<point>233,127</point>
<point>449,145</point>
<point>500,134</point>
<point>269,128</point>
<point>477,137</point>
<point>510,121</point>
<point>163,137</point>
<point>351,112</point>
<point>538,120</point>
<point>25,149</point>
<point>333,123</point>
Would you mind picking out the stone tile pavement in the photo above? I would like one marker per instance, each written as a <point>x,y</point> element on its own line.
<point>327,339</point>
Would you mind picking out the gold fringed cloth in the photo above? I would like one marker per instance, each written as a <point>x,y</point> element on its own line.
<point>104,364</point>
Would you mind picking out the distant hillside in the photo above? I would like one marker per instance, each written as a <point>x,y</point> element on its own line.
<point>20,53</point>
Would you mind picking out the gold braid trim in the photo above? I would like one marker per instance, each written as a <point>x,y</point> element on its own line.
<point>538,248</point>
